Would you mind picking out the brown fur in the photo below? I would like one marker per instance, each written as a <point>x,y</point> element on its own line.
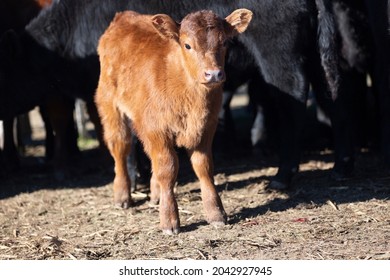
<point>166,79</point>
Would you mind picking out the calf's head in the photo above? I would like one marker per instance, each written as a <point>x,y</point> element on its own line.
<point>202,37</point>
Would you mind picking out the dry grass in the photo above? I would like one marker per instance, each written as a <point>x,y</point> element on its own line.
<point>316,219</point>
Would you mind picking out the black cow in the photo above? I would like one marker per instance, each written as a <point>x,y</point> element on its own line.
<point>363,44</point>
<point>23,86</point>
<point>283,40</point>
<point>375,46</point>
<point>14,14</point>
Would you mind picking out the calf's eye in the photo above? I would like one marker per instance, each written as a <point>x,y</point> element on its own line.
<point>188,47</point>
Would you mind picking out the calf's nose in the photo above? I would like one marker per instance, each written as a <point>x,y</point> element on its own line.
<point>214,76</point>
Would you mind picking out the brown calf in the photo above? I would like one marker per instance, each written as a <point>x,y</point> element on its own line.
<point>164,80</point>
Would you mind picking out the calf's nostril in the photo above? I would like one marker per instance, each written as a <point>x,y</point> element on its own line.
<point>214,75</point>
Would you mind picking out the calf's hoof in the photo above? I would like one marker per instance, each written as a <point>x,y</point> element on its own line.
<point>172,229</point>
<point>217,219</point>
<point>122,200</point>
<point>124,204</point>
<point>122,196</point>
<point>218,224</point>
<point>154,201</point>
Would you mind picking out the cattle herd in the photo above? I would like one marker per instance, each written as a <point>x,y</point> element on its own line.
<point>157,70</point>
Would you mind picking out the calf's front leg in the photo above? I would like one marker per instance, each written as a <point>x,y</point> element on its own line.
<point>202,164</point>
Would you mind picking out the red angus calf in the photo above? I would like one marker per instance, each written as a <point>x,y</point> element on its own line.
<point>164,80</point>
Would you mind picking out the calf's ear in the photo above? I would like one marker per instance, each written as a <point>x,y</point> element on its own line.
<point>166,26</point>
<point>238,21</point>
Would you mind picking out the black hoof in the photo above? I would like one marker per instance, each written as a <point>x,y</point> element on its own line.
<point>276,185</point>
<point>343,170</point>
<point>282,180</point>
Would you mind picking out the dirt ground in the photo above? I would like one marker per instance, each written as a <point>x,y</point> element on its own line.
<point>318,218</point>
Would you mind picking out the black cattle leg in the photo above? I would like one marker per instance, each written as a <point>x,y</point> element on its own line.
<point>378,20</point>
<point>291,121</point>
<point>347,117</point>
<point>225,135</point>
<point>265,127</point>
<point>10,152</point>
<point>49,140</point>
<point>60,113</point>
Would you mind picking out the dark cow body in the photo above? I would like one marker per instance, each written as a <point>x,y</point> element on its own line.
<point>24,84</point>
<point>290,44</point>
<point>14,14</point>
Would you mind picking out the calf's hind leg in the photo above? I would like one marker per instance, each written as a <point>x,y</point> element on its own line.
<point>165,165</point>
<point>118,139</point>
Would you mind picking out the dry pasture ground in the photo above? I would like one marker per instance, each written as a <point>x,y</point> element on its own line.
<point>318,218</point>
